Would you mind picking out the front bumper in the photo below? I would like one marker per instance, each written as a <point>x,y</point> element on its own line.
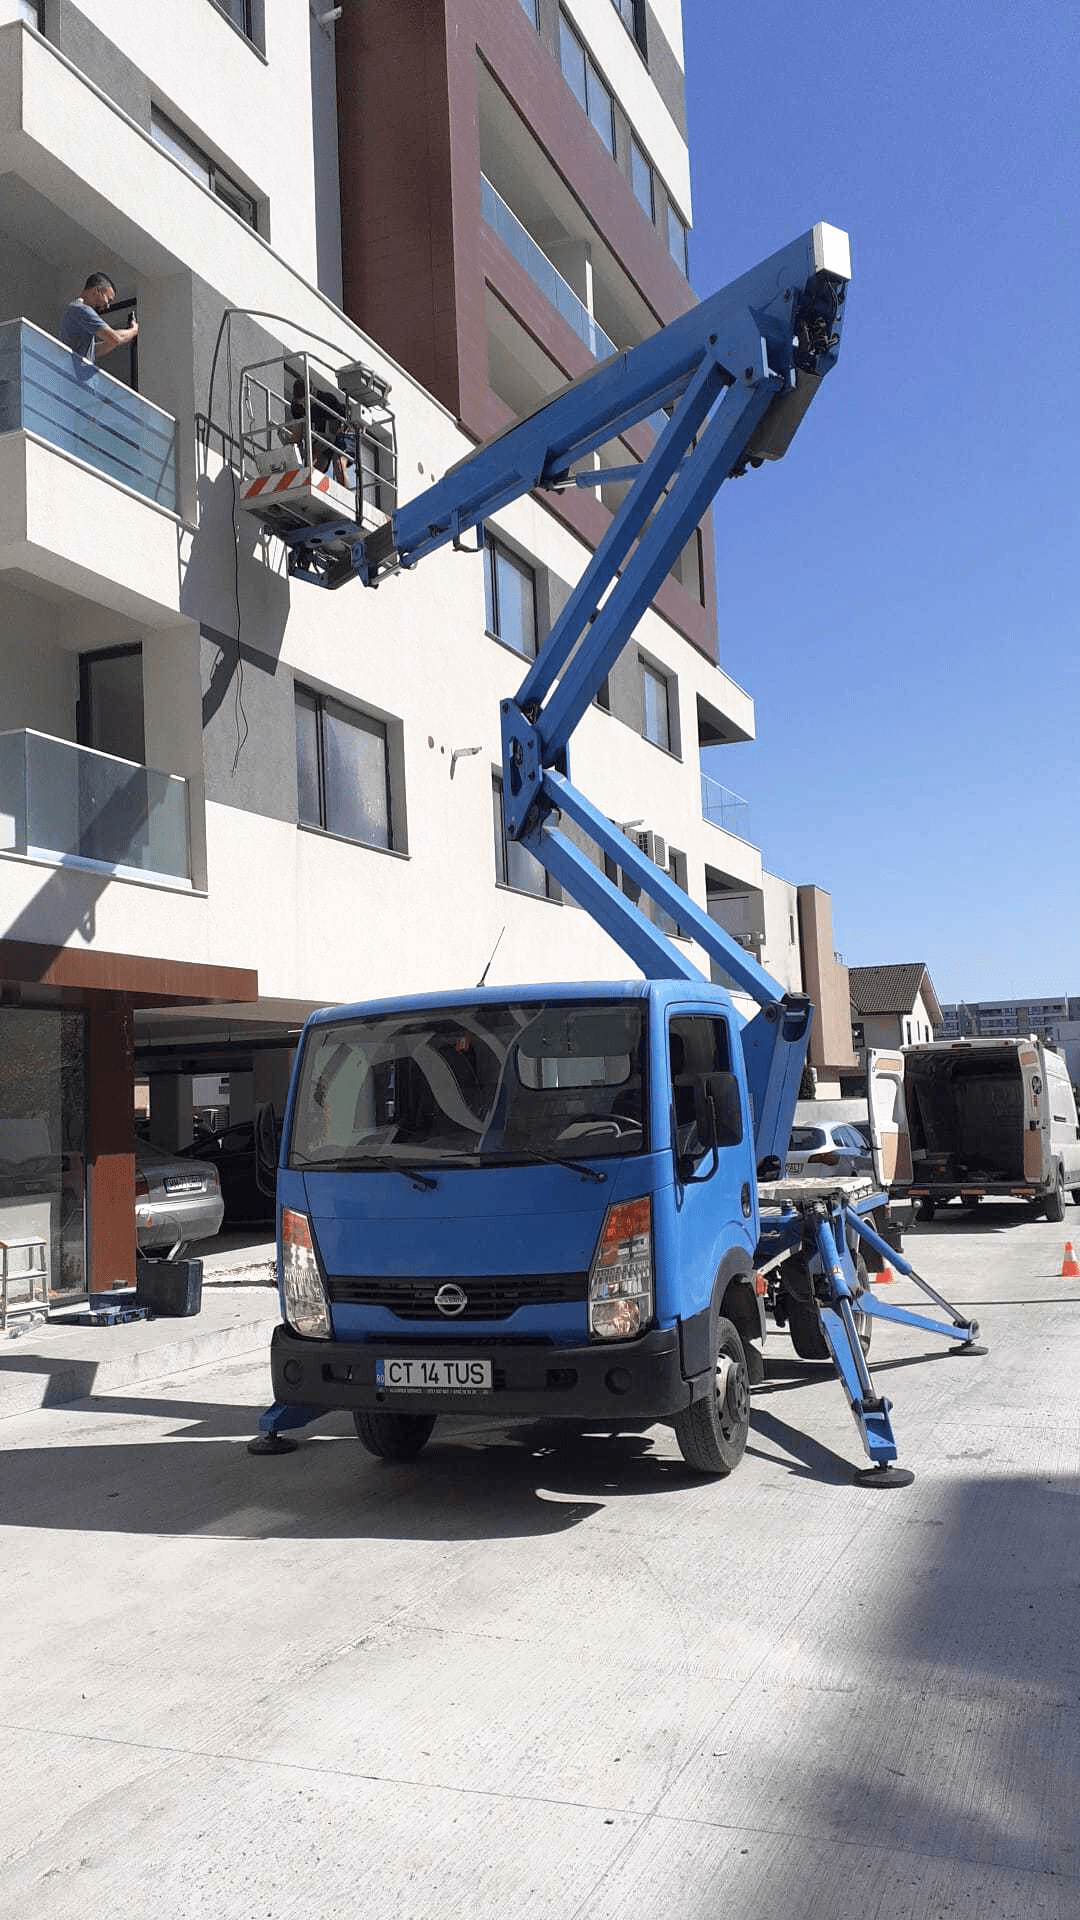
<point>633,1380</point>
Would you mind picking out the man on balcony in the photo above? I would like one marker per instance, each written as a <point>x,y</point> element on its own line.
<point>82,327</point>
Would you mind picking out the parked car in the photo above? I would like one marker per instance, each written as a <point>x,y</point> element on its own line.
<point>177,1199</point>
<point>836,1146</point>
<point>247,1183</point>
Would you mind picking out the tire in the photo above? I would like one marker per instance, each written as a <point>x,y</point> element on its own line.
<point>973,1203</point>
<point>712,1432</point>
<point>393,1436</point>
<point>1054,1208</point>
<point>1076,1196</point>
<point>807,1333</point>
<point>924,1210</point>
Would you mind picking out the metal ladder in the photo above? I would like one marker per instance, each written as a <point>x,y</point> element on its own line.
<point>35,1273</point>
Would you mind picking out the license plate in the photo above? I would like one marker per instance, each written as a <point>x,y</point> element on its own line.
<point>185,1183</point>
<point>433,1376</point>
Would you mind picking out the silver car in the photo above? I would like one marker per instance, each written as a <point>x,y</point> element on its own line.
<point>176,1200</point>
<point>838,1146</point>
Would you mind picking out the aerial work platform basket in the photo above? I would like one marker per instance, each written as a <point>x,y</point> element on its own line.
<point>318,447</point>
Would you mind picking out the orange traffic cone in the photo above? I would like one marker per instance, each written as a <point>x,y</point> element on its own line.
<point>1069,1268</point>
<point>885,1278</point>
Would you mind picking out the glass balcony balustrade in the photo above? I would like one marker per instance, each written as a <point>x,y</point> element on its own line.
<point>48,390</point>
<point>722,808</point>
<point>519,241</point>
<point>59,801</point>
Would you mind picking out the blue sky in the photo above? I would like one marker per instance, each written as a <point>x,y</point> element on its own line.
<point>900,594</point>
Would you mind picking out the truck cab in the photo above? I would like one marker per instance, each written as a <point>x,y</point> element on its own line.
<point>538,1200</point>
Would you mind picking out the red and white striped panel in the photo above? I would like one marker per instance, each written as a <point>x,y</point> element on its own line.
<point>289,482</point>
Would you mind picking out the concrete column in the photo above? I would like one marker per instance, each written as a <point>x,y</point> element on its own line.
<point>241,1097</point>
<point>271,1078</point>
<point>171,1120</point>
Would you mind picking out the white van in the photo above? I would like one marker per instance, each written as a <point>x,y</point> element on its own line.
<point>972,1119</point>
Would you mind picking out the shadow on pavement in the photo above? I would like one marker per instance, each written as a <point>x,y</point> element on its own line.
<point>494,1483</point>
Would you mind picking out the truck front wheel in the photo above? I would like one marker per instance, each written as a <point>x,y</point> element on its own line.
<point>393,1436</point>
<point>712,1431</point>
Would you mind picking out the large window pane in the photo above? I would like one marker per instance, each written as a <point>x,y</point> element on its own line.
<point>600,109</point>
<point>515,866</point>
<point>173,141</point>
<point>531,7</point>
<point>641,178</point>
<point>572,61</point>
<point>309,810</point>
<point>356,785</point>
<point>656,717</point>
<point>509,599</point>
<point>676,239</point>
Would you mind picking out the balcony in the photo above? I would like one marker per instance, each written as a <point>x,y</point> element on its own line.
<point>73,807</point>
<point>47,390</point>
<point>519,241</point>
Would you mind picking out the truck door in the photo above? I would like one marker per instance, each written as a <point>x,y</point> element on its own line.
<point>716,1204</point>
<point>888,1119</point>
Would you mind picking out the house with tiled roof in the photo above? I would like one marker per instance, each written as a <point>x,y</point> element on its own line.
<point>893,1006</point>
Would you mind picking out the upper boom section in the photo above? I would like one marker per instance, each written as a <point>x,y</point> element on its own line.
<point>780,322</point>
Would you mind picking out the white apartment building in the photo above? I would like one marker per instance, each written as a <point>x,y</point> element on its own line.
<point>228,797</point>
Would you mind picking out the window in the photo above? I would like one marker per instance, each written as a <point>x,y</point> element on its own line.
<point>532,8</point>
<point>641,178</point>
<point>30,10</point>
<point>676,239</point>
<point>509,598</point>
<point>515,866</point>
<point>239,12</point>
<point>585,83</point>
<point>343,771</point>
<point>656,707</point>
<point>676,867</point>
<point>199,164</point>
<point>632,15</point>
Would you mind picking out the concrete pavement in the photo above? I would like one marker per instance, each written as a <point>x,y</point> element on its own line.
<point>542,1674</point>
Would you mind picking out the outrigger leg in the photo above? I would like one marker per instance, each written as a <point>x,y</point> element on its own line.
<point>271,1437</point>
<point>870,1410</point>
<point>885,1310</point>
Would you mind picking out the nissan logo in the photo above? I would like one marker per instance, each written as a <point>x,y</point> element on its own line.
<point>451,1299</point>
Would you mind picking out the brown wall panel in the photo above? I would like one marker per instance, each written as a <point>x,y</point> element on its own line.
<point>110,1148</point>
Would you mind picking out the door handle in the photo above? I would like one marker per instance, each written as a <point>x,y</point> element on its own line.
<point>746,1202</point>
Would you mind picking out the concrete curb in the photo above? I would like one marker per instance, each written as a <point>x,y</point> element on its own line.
<point>52,1366</point>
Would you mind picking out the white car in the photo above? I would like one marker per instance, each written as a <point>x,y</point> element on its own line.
<point>834,1147</point>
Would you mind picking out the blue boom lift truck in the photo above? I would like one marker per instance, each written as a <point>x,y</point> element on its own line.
<point>568,1200</point>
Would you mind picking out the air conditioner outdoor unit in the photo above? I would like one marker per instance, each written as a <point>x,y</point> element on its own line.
<point>650,844</point>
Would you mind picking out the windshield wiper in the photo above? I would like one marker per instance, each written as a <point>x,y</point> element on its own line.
<point>368,1163</point>
<point>560,1160</point>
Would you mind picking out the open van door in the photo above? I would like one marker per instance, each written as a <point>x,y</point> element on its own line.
<point>888,1119</point>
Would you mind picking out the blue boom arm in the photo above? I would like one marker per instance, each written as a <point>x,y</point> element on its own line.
<point>728,384</point>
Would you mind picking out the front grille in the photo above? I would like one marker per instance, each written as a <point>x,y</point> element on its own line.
<point>489,1297</point>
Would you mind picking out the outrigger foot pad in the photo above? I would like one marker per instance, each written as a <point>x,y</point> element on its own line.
<point>885,1476</point>
<point>272,1443</point>
<point>968,1346</point>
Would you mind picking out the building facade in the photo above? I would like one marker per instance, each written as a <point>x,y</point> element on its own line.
<point>891,1006</point>
<point>227,797</point>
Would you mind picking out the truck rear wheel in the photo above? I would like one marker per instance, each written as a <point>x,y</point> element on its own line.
<point>712,1432</point>
<point>807,1334</point>
<point>924,1210</point>
<point>393,1436</point>
<point>1055,1201</point>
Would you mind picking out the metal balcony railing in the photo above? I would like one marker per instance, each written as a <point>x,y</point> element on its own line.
<point>539,268</point>
<point>48,390</point>
<point>723,808</point>
<point>62,802</point>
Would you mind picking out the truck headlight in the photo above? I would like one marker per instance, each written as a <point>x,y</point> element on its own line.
<point>307,1308</point>
<point>621,1275</point>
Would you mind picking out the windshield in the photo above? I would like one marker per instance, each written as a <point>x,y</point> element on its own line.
<point>477,1085</point>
